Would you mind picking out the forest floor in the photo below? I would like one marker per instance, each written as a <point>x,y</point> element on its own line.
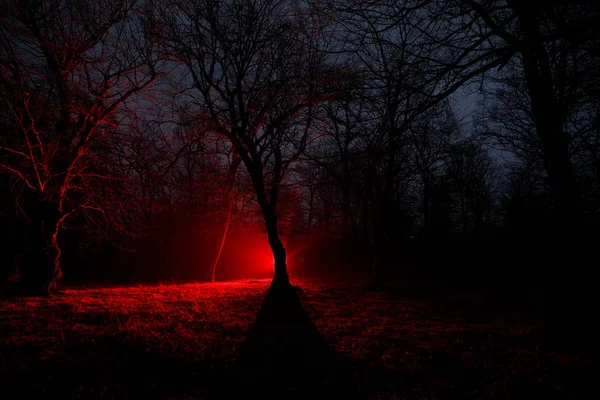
<point>204,341</point>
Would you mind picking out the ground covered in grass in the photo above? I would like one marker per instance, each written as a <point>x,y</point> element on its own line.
<point>414,341</point>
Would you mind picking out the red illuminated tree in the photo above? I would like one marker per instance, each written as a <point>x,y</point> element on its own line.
<point>254,72</point>
<point>67,68</point>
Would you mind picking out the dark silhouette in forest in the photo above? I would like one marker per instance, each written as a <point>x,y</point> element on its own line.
<point>285,355</point>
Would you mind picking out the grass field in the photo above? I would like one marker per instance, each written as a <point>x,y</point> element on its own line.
<point>225,340</point>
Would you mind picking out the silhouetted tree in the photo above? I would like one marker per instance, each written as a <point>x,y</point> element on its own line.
<point>551,48</point>
<point>549,41</point>
<point>255,72</point>
<point>474,180</point>
<point>411,58</point>
<point>430,140</point>
<point>507,122</point>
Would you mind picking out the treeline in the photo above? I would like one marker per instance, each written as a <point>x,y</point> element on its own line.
<point>136,135</point>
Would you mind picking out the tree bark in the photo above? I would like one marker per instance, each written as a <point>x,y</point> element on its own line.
<point>40,270</point>
<point>565,295</point>
<point>280,278</point>
<point>268,208</point>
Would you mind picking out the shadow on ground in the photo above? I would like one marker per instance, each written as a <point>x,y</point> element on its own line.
<point>202,342</point>
<point>285,356</point>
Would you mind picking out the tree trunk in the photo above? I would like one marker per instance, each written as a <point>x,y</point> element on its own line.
<point>346,253</point>
<point>346,200</point>
<point>383,197</point>
<point>377,267</point>
<point>565,294</point>
<point>426,211</point>
<point>346,214</point>
<point>268,207</point>
<point>374,215</point>
<point>566,193</point>
<point>40,270</point>
<point>565,189</point>
<point>549,116</point>
<point>563,301</point>
<point>378,212</point>
<point>280,277</point>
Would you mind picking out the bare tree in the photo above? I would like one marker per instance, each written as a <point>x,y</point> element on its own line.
<point>430,139</point>
<point>548,41</point>
<point>67,68</point>
<point>253,72</point>
<point>474,180</point>
<point>336,158</point>
<point>506,121</point>
<point>411,59</point>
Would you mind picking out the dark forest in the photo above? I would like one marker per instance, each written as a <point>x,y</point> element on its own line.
<point>293,198</point>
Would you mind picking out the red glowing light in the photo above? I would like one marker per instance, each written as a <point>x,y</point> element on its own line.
<point>246,254</point>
